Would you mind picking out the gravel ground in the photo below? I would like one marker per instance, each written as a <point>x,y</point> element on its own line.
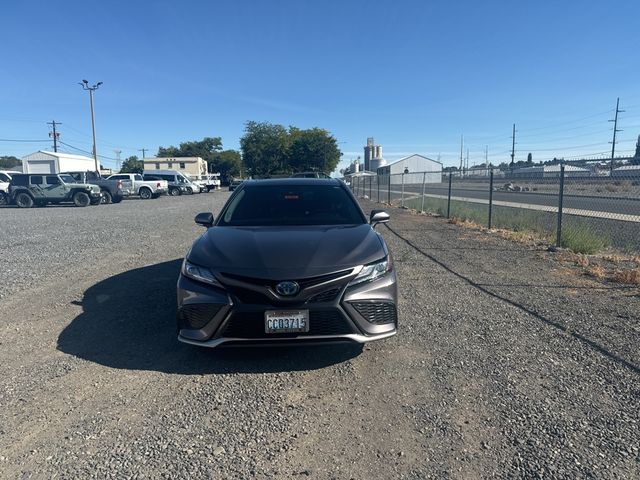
<point>507,364</point>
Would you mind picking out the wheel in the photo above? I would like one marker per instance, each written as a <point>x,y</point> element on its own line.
<point>81,199</point>
<point>106,197</point>
<point>189,190</point>
<point>145,193</point>
<point>174,192</point>
<point>24,200</point>
<point>3,198</point>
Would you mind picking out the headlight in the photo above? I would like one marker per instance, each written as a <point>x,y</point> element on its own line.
<point>201,274</point>
<point>371,272</point>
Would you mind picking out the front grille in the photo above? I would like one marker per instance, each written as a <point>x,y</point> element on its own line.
<point>251,325</point>
<point>303,282</point>
<point>249,297</point>
<point>197,315</point>
<point>377,312</point>
<point>327,296</point>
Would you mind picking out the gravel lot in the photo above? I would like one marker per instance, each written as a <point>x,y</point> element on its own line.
<point>507,364</point>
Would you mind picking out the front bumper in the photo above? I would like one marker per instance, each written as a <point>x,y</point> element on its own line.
<point>210,317</point>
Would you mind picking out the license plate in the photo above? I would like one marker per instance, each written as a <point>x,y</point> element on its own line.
<point>286,321</point>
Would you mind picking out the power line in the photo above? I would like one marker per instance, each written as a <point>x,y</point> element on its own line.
<point>21,140</point>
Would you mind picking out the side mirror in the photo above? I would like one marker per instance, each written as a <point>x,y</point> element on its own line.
<point>205,219</point>
<point>378,216</point>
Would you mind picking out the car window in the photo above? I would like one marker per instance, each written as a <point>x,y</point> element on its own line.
<point>53,180</point>
<point>263,205</point>
<point>4,178</point>
<point>36,180</point>
<point>137,177</point>
<point>68,179</point>
<point>20,180</point>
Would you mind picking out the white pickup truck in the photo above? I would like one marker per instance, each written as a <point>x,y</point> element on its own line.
<point>5,179</point>
<point>145,188</point>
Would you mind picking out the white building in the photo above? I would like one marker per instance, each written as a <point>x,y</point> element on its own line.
<point>43,161</point>
<point>195,167</point>
<point>626,171</point>
<point>550,171</point>
<point>413,167</point>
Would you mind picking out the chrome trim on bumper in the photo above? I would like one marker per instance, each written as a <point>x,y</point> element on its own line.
<point>354,337</point>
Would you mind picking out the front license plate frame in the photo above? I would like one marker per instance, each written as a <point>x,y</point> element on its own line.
<point>286,321</point>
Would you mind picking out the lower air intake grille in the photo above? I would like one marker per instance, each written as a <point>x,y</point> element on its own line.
<point>197,315</point>
<point>251,325</point>
<point>377,312</point>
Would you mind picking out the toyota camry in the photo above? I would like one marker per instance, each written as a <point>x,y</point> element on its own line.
<point>288,260</point>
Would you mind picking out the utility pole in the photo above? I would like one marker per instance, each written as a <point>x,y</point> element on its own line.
<point>615,130</point>
<point>85,86</point>
<point>513,145</point>
<point>54,134</point>
<point>117,152</point>
<point>467,161</point>
<point>486,156</point>
<point>461,147</point>
<point>143,150</point>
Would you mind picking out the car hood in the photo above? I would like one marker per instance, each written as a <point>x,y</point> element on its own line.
<point>287,252</point>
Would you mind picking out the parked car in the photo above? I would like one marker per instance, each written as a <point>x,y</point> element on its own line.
<point>211,181</point>
<point>146,189</point>
<point>288,260</point>
<point>178,184</point>
<point>198,183</point>
<point>113,191</point>
<point>29,189</point>
<point>234,184</point>
<point>5,179</point>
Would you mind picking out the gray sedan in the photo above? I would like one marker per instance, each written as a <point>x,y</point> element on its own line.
<point>288,260</point>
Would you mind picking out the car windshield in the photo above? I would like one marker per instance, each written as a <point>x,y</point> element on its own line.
<point>269,205</point>
<point>68,179</point>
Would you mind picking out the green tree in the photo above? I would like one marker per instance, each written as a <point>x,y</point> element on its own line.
<point>10,162</point>
<point>227,162</point>
<point>265,148</point>
<point>132,165</point>
<point>312,150</point>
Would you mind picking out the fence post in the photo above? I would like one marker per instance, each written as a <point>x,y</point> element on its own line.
<point>389,189</point>
<point>402,195</point>
<point>424,180</point>
<point>490,197</point>
<point>449,196</point>
<point>378,186</point>
<point>370,186</point>
<point>560,201</point>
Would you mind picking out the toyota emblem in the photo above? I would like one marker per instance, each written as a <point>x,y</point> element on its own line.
<point>287,289</point>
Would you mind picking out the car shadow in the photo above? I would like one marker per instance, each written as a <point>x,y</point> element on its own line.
<point>128,322</point>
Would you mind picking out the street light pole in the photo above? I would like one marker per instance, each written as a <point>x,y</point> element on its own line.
<point>85,86</point>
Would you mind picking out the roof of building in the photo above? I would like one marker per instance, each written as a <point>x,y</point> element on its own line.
<point>409,156</point>
<point>61,154</point>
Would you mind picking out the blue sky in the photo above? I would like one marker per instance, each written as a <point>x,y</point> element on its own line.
<point>413,74</point>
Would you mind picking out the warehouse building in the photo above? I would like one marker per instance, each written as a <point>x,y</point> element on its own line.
<point>45,162</point>
<point>550,171</point>
<point>413,167</point>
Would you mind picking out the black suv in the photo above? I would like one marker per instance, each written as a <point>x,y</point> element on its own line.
<point>27,190</point>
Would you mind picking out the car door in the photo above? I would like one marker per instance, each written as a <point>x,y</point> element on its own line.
<point>55,188</point>
<point>37,186</point>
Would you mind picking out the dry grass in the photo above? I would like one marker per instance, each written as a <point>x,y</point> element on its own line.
<point>597,271</point>
<point>629,276</point>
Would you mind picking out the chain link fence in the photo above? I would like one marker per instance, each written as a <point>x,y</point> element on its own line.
<point>564,205</point>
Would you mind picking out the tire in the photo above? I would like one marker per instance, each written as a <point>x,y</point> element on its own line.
<point>174,192</point>
<point>81,199</point>
<point>4,199</point>
<point>145,193</point>
<point>106,197</point>
<point>189,190</point>
<point>24,200</point>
